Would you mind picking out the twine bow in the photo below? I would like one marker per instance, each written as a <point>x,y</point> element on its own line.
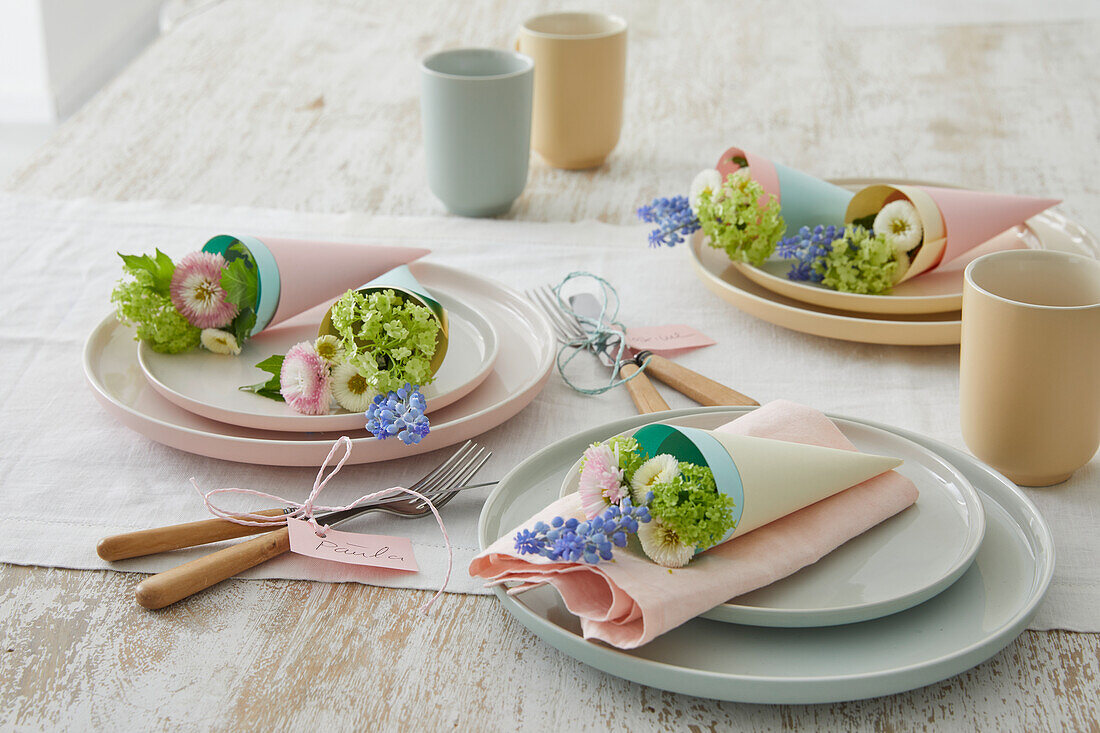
<point>599,332</point>
<point>305,510</point>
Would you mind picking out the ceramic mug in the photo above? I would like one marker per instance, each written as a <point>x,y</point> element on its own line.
<point>475,107</point>
<point>1029,388</point>
<point>580,60</point>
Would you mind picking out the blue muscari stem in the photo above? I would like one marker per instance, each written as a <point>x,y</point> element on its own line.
<point>399,413</point>
<point>673,217</point>
<point>573,540</point>
<point>807,248</point>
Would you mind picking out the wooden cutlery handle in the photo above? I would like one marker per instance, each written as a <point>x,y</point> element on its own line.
<point>702,389</point>
<point>646,397</point>
<point>176,536</point>
<point>176,584</point>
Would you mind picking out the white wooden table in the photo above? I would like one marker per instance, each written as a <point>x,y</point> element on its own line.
<point>313,107</point>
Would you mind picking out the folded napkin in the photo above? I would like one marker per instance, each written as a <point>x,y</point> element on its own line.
<point>632,600</point>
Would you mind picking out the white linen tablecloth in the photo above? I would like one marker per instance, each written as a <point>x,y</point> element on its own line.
<point>70,474</point>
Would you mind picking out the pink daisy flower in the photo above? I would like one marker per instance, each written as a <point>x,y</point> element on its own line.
<point>601,481</point>
<point>304,381</point>
<point>197,292</point>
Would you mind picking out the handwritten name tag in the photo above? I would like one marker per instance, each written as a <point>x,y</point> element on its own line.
<point>666,338</point>
<point>375,550</point>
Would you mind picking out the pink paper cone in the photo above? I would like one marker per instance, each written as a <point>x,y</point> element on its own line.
<point>315,272</point>
<point>971,218</point>
<point>296,275</point>
<point>955,221</point>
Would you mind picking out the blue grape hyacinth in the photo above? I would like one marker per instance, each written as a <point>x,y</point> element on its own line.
<point>673,217</point>
<point>573,540</point>
<point>399,413</point>
<point>806,248</point>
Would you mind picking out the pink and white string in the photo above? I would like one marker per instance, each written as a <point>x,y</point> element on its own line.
<point>306,509</point>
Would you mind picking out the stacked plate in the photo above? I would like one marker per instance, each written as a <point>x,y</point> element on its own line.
<point>935,590</point>
<point>500,353</point>
<point>921,311</point>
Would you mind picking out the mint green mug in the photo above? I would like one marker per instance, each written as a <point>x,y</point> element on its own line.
<point>475,109</point>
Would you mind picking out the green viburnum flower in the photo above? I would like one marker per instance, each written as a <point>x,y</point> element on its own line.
<point>388,339</point>
<point>153,316</point>
<point>860,262</point>
<point>692,507</point>
<point>735,220</point>
<point>144,303</point>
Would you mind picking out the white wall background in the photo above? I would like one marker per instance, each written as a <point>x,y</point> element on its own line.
<point>54,54</point>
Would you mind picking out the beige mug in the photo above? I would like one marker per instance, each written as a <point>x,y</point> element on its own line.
<point>580,73</point>
<point>1029,388</point>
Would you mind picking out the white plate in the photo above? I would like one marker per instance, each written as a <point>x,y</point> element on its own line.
<point>207,384</point>
<point>525,360</point>
<point>902,562</point>
<point>966,624</point>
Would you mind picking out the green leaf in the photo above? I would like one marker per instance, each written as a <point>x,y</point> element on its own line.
<point>160,268</point>
<point>272,389</point>
<point>241,327</point>
<point>240,283</point>
<point>866,222</point>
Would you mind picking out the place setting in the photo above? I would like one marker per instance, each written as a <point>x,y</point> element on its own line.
<point>259,386</point>
<point>912,296</point>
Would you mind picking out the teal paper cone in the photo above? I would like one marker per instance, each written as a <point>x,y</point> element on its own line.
<point>805,201</point>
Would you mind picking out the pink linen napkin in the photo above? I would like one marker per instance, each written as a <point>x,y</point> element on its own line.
<point>631,600</point>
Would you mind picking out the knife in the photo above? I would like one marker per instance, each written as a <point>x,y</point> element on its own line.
<point>703,390</point>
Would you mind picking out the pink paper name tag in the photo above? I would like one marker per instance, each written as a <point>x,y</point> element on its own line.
<point>666,338</point>
<point>375,550</point>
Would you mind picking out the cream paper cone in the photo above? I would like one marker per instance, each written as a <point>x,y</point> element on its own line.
<point>767,479</point>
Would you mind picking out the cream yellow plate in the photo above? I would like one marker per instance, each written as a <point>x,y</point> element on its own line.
<point>729,282</point>
<point>939,291</point>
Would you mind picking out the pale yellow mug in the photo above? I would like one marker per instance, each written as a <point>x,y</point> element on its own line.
<point>1029,389</point>
<point>580,74</point>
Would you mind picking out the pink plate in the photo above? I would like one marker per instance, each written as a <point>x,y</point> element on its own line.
<point>525,359</point>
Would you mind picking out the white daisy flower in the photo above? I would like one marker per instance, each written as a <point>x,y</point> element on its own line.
<point>899,222</point>
<point>219,341</point>
<point>350,388</point>
<point>903,266</point>
<point>708,179</point>
<point>663,546</point>
<point>329,349</point>
<point>657,470</point>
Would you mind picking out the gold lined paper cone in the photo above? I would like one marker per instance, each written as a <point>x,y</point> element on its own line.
<point>438,312</point>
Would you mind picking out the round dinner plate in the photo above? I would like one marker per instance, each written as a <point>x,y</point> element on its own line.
<point>967,623</point>
<point>526,357</point>
<point>756,291</point>
<point>207,384</point>
<point>903,561</point>
<point>938,291</point>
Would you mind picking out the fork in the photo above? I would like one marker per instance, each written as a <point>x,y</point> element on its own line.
<point>439,486</point>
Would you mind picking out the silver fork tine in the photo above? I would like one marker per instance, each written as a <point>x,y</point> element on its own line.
<point>475,466</point>
<point>550,301</point>
<point>572,326</point>
<point>574,323</point>
<point>459,477</point>
<point>437,474</point>
<point>550,312</point>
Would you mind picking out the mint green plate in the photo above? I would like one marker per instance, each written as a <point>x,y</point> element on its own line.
<point>970,621</point>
